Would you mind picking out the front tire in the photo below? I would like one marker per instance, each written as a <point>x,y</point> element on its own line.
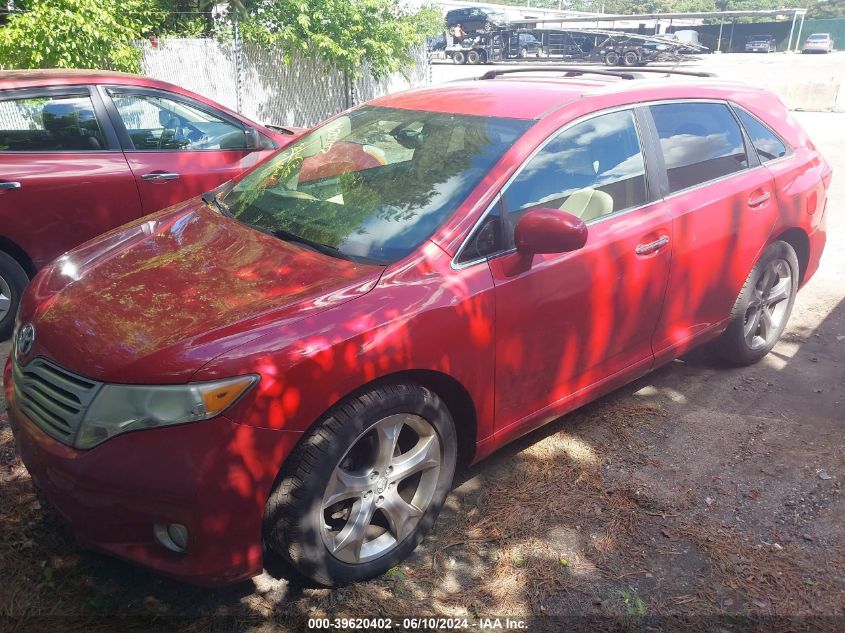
<point>13,281</point>
<point>763,307</point>
<point>364,486</point>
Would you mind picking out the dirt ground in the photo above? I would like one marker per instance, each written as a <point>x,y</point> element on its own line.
<point>698,497</point>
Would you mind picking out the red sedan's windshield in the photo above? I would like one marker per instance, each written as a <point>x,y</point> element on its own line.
<point>375,183</point>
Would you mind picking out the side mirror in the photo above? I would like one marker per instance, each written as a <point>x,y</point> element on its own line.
<point>253,139</point>
<point>549,231</point>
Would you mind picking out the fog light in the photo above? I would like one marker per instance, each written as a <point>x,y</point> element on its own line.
<point>173,536</point>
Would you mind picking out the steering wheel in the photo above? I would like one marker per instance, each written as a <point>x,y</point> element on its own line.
<point>179,132</point>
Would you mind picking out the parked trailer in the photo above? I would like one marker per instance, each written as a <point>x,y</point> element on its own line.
<point>613,48</point>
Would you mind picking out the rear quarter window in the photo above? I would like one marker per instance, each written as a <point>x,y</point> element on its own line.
<point>766,142</point>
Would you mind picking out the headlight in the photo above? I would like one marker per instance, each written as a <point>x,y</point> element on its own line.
<point>120,408</point>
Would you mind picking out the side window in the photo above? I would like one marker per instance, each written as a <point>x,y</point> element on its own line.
<point>591,170</point>
<point>158,123</point>
<point>700,142</point>
<point>768,145</point>
<point>50,124</point>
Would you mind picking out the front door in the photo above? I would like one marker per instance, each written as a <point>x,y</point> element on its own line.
<point>568,323</point>
<point>179,149</point>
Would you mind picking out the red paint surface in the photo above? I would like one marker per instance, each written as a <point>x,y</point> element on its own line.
<point>67,198</point>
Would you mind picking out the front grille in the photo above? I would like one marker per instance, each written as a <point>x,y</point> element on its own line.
<point>52,397</point>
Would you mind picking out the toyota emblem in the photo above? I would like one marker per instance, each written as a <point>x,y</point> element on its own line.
<point>26,337</point>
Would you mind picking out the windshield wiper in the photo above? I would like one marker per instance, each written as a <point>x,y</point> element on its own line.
<point>210,197</point>
<point>326,249</point>
<point>290,236</point>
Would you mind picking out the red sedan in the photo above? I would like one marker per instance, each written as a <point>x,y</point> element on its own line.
<point>296,367</point>
<point>82,152</point>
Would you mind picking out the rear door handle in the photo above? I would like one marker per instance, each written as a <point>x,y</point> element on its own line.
<point>650,247</point>
<point>9,185</point>
<point>160,176</point>
<point>756,201</point>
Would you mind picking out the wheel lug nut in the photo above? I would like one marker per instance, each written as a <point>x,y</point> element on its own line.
<point>389,469</point>
<point>380,499</point>
<point>374,475</point>
<point>368,494</point>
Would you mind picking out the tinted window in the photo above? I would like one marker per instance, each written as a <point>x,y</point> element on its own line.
<point>700,142</point>
<point>374,183</point>
<point>158,123</point>
<point>49,124</point>
<point>768,145</point>
<point>591,170</point>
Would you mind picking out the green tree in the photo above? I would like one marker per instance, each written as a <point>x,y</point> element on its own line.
<point>77,34</point>
<point>346,33</point>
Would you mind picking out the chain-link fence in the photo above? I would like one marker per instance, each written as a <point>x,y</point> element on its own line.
<point>258,83</point>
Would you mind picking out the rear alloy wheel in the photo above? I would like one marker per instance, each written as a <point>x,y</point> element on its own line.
<point>523,52</point>
<point>763,307</point>
<point>364,487</point>
<point>473,57</point>
<point>13,281</point>
<point>459,57</point>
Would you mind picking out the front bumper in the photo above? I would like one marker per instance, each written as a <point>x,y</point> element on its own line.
<point>213,477</point>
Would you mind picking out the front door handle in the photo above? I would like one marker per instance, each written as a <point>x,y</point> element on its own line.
<point>160,176</point>
<point>651,247</point>
<point>756,201</point>
<point>9,185</point>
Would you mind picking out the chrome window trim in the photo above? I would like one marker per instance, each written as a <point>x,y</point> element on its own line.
<point>500,194</point>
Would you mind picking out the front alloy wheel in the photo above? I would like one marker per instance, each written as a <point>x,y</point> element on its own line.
<point>381,488</point>
<point>364,485</point>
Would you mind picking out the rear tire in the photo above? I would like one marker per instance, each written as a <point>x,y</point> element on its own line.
<point>13,281</point>
<point>473,57</point>
<point>763,307</point>
<point>364,486</point>
<point>459,57</point>
<point>630,59</point>
<point>611,58</point>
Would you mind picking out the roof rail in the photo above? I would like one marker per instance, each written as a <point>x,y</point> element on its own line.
<point>575,71</point>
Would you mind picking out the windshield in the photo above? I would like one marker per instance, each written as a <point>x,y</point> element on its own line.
<point>818,36</point>
<point>373,184</point>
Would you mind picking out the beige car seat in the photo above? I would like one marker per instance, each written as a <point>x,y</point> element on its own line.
<point>588,204</point>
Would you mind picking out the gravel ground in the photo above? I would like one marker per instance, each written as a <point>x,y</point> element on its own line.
<point>702,496</point>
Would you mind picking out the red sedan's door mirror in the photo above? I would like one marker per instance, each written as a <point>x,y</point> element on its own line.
<point>253,139</point>
<point>549,231</point>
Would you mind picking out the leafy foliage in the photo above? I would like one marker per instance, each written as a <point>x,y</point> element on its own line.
<point>346,33</point>
<point>77,34</point>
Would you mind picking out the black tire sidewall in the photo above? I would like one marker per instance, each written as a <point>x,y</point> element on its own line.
<point>297,536</point>
<point>15,276</point>
<point>732,345</point>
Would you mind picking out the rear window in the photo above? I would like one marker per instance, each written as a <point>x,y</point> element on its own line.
<point>819,36</point>
<point>700,142</point>
<point>49,124</point>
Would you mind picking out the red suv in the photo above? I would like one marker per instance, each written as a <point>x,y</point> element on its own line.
<point>296,365</point>
<point>82,152</point>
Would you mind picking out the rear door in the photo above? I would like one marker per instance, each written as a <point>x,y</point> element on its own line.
<point>63,176</point>
<point>723,210</point>
<point>177,147</point>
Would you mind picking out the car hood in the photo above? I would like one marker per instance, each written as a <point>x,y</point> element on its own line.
<point>154,301</point>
